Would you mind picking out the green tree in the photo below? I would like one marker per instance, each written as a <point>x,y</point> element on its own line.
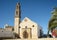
<point>53,21</point>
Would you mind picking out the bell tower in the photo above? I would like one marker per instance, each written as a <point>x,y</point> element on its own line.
<point>17,18</point>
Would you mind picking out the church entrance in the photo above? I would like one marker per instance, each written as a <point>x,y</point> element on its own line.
<point>26,33</point>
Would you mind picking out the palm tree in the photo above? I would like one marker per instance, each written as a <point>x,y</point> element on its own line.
<point>53,21</point>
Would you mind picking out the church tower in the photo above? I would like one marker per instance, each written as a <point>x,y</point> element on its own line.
<point>17,18</point>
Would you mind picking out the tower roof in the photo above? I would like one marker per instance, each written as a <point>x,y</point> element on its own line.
<point>18,3</point>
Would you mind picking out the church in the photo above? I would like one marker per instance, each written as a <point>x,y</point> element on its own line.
<point>21,29</point>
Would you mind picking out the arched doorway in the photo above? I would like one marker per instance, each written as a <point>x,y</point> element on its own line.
<point>25,34</point>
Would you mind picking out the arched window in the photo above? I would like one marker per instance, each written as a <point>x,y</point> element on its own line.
<point>17,7</point>
<point>16,12</point>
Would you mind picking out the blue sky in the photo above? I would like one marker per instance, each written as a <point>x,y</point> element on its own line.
<point>38,11</point>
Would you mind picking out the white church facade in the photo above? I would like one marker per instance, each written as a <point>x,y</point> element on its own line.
<point>30,27</point>
<point>25,28</point>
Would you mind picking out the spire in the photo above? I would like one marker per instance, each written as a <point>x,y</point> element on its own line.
<point>18,3</point>
<point>18,11</point>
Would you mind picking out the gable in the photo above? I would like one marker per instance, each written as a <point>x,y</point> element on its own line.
<point>27,22</point>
